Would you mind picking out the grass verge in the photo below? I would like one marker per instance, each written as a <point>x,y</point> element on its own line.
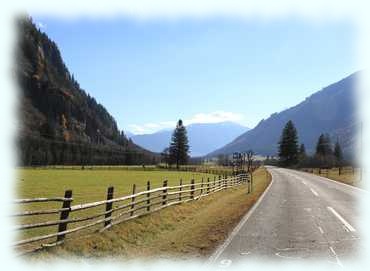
<point>347,176</point>
<point>190,230</point>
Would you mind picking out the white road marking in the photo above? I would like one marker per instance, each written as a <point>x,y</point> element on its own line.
<point>245,253</point>
<point>304,182</point>
<point>314,192</point>
<point>225,263</point>
<point>287,257</point>
<point>348,226</point>
<point>288,250</point>
<point>321,230</point>
<point>336,257</point>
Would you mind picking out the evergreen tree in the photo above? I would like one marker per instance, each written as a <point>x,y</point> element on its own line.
<point>323,147</point>
<point>320,146</point>
<point>302,152</point>
<point>338,154</point>
<point>179,147</point>
<point>288,145</point>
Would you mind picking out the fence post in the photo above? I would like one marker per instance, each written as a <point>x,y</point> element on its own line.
<point>108,207</point>
<point>248,179</point>
<point>339,171</point>
<point>192,187</point>
<point>64,214</point>
<point>319,171</point>
<point>214,182</point>
<point>164,197</point>
<point>201,187</point>
<point>133,199</point>
<point>180,189</point>
<point>208,185</point>
<point>148,196</point>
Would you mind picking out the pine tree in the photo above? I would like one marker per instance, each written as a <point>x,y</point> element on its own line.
<point>320,146</point>
<point>288,145</point>
<point>179,146</point>
<point>338,154</point>
<point>302,152</point>
<point>323,147</point>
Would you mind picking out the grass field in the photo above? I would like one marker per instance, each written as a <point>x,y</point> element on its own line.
<point>192,229</point>
<point>87,186</point>
<point>347,176</point>
<point>91,185</point>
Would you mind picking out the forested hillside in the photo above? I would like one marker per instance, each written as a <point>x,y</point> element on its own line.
<point>60,123</point>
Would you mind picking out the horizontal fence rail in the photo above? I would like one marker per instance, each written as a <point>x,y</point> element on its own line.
<point>326,171</point>
<point>113,210</point>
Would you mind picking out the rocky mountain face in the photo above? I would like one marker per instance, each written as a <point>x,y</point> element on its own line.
<point>331,110</point>
<point>60,123</point>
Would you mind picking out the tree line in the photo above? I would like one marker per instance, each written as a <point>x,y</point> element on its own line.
<point>293,154</point>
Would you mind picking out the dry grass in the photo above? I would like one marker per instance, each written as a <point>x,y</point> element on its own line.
<point>87,186</point>
<point>347,176</point>
<point>188,230</point>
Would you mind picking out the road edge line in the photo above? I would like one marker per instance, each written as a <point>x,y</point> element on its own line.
<point>235,231</point>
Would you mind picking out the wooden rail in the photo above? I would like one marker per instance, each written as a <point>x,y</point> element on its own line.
<point>326,171</point>
<point>117,210</point>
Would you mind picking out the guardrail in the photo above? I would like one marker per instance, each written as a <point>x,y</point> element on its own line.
<point>113,210</point>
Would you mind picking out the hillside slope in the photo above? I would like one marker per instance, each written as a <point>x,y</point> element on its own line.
<point>59,122</point>
<point>331,110</point>
<point>203,137</point>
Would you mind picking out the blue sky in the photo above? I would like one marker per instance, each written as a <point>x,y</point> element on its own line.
<point>148,74</point>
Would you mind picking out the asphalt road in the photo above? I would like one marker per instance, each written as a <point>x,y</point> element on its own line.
<point>300,216</point>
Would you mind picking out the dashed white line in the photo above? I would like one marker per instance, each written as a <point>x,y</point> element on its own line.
<point>346,224</point>
<point>314,192</point>
<point>321,230</point>
<point>304,182</point>
<point>336,256</point>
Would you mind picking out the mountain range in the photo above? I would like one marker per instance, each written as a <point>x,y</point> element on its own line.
<point>331,110</point>
<point>203,137</point>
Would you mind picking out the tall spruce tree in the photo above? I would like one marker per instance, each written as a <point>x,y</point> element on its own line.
<point>338,154</point>
<point>323,147</point>
<point>302,152</point>
<point>179,146</point>
<point>288,145</point>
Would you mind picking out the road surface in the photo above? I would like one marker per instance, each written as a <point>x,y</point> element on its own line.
<point>300,216</point>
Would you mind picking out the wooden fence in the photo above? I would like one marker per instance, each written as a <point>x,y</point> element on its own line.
<point>111,211</point>
<point>326,171</point>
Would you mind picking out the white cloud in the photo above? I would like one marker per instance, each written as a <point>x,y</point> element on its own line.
<point>213,117</point>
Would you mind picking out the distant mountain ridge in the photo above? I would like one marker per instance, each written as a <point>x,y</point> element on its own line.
<point>203,137</point>
<point>331,110</point>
